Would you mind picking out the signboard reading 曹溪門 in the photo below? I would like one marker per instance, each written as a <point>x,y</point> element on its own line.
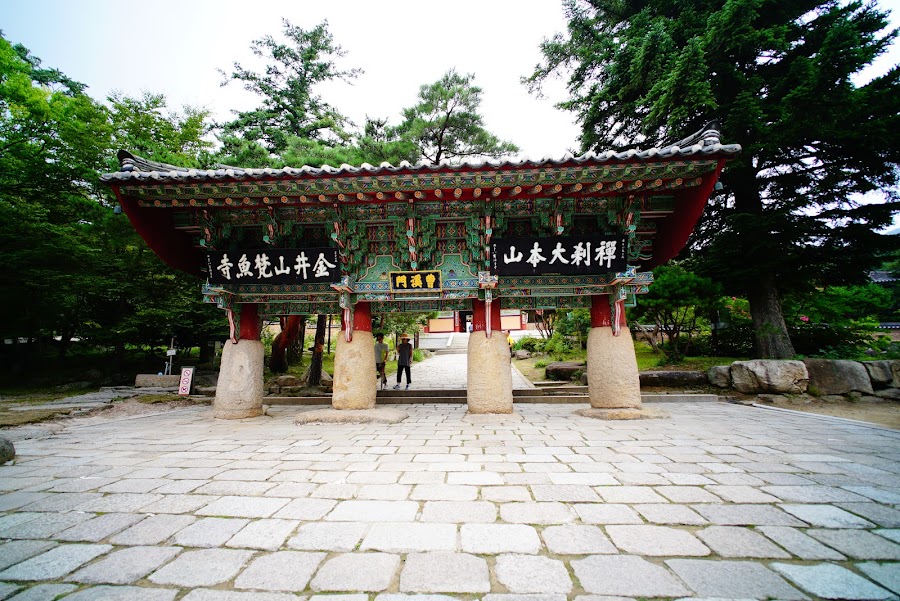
<point>274,266</point>
<point>415,281</point>
<point>571,255</point>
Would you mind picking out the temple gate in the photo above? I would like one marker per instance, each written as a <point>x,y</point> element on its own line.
<point>362,241</point>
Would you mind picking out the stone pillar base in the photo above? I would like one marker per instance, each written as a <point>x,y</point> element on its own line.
<point>613,378</point>
<point>239,392</point>
<point>488,379</point>
<point>355,384</point>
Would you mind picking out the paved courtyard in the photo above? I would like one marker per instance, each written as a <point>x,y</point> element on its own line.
<point>719,501</point>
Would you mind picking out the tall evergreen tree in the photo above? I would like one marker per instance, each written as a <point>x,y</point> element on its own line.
<point>783,79</point>
<point>291,105</point>
<point>445,124</point>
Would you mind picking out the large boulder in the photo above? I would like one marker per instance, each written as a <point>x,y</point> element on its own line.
<point>880,373</point>
<point>156,381</point>
<point>769,375</point>
<point>522,354</point>
<point>676,379</point>
<point>895,370</point>
<point>829,376</point>
<point>719,376</point>
<point>564,370</point>
<point>7,451</point>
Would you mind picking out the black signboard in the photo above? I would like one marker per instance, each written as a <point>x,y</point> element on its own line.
<point>415,281</point>
<point>571,255</point>
<point>274,266</point>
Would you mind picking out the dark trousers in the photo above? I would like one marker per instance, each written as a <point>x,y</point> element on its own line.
<point>400,369</point>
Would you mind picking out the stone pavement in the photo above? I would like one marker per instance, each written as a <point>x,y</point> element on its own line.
<point>719,501</point>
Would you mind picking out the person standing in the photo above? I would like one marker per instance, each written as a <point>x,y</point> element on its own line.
<point>381,351</point>
<point>404,360</point>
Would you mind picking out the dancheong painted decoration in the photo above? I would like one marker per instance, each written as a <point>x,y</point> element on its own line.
<point>534,234</point>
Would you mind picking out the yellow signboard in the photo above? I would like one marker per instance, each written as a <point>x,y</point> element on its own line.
<point>415,281</point>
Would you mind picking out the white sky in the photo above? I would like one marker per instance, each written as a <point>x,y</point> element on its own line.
<point>175,48</point>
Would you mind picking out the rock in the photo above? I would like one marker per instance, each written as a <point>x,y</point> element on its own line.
<point>287,381</point>
<point>832,398</point>
<point>678,379</point>
<point>155,381</point>
<point>73,386</point>
<point>828,376</point>
<point>895,371</point>
<point>564,370</point>
<point>326,377</point>
<point>522,354</point>
<point>889,393</point>
<point>769,375</point>
<point>880,373</point>
<point>772,398</point>
<point>719,376</point>
<point>7,451</point>
<point>870,399</point>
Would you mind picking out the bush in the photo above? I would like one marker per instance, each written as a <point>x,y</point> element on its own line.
<point>530,344</point>
<point>559,346</point>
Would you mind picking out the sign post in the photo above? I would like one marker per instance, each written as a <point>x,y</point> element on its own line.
<point>184,385</point>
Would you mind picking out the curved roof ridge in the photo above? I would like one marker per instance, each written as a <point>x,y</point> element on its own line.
<point>705,142</point>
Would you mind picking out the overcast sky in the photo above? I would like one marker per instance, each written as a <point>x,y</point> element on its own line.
<point>175,47</point>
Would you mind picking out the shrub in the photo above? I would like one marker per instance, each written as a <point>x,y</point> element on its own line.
<point>530,344</point>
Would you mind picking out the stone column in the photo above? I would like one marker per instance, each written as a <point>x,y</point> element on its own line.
<point>355,385</point>
<point>239,392</point>
<point>488,379</point>
<point>613,379</point>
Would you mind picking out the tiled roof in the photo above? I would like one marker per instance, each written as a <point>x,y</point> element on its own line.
<point>704,144</point>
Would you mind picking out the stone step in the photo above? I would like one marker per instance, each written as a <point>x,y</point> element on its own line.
<point>412,399</point>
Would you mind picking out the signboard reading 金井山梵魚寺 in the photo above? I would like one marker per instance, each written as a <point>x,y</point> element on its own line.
<point>571,255</point>
<point>274,266</point>
<point>415,281</point>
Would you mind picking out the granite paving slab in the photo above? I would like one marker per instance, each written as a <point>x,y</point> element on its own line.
<point>445,505</point>
<point>126,566</point>
<point>831,582</point>
<point>281,571</point>
<point>356,572</point>
<point>55,563</point>
<point>626,576</point>
<point>733,579</point>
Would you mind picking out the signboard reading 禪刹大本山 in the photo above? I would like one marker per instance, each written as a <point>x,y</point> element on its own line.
<point>571,255</point>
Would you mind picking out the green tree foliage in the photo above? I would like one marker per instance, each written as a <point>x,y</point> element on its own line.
<point>53,140</point>
<point>677,300</point>
<point>291,105</point>
<point>146,127</point>
<point>783,79</point>
<point>74,269</point>
<point>445,124</point>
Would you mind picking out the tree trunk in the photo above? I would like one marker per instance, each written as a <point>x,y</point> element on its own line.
<point>289,330</point>
<point>295,350</point>
<point>315,366</point>
<point>771,339</point>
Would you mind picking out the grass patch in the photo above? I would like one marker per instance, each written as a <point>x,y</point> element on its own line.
<point>34,416</point>
<point>648,360</point>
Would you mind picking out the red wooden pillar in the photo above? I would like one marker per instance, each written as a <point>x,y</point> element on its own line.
<point>479,315</point>
<point>362,317</point>
<point>600,311</point>
<point>604,314</point>
<point>250,323</point>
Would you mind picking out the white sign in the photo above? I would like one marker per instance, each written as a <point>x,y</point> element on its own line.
<point>184,386</point>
